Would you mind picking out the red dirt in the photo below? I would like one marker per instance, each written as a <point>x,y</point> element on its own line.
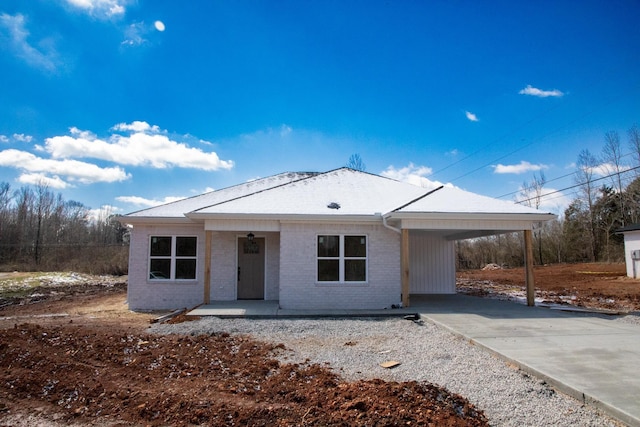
<point>80,357</point>
<point>593,285</point>
<point>75,355</point>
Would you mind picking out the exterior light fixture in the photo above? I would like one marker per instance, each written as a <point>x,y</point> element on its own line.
<point>250,236</point>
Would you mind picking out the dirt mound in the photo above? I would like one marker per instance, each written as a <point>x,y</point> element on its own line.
<point>79,374</point>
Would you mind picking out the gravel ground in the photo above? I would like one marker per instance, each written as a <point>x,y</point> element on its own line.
<point>354,348</point>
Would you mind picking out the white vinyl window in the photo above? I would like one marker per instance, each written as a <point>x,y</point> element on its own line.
<point>172,257</point>
<point>342,258</point>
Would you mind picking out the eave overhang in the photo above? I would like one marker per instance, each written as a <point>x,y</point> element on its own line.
<point>151,220</point>
<point>198,216</point>
<point>456,216</point>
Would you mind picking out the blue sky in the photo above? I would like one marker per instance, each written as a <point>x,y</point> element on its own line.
<point>125,104</point>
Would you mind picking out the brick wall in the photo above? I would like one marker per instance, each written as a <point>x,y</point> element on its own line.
<point>290,272</point>
<point>143,294</point>
<point>299,288</point>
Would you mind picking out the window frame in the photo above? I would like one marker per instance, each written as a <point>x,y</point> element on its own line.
<point>342,260</point>
<point>173,259</point>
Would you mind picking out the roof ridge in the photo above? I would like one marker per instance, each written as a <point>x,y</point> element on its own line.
<point>418,198</point>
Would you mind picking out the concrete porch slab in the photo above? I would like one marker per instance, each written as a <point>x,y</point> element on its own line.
<point>271,309</point>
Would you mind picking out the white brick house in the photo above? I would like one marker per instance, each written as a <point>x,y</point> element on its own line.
<point>342,239</point>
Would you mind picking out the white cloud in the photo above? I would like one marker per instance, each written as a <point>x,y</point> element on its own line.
<point>285,130</point>
<point>100,8</point>
<point>3,138</point>
<point>533,91</point>
<point>472,117</point>
<point>412,174</point>
<point>72,170</point>
<point>40,178</point>
<point>145,146</point>
<point>141,201</point>
<point>136,126</point>
<point>102,213</point>
<point>606,169</point>
<point>14,36</point>
<point>22,137</point>
<point>134,34</point>
<point>521,167</point>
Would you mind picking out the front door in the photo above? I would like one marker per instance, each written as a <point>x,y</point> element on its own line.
<point>251,268</point>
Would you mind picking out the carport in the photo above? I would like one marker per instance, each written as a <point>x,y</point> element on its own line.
<point>473,217</point>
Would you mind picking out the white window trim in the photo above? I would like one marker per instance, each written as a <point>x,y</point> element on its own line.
<point>341,261</point>
<point>173,259</point>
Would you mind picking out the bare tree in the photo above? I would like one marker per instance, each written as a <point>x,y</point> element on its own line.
<point>612,158</point>
<point>44,207</point>
<point>532,193</point>
<point>40,230</point>
<point>355,162</point>
<point>585,166</point>
<point>634,143</point>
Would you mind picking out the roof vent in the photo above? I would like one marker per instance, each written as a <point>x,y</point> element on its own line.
<point>333,205</point>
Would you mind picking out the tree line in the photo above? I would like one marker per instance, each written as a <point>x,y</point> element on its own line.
<point>40,231</point>
<point>606,194</point>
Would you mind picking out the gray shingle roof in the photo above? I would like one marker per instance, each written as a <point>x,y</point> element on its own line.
<point>179,208</point>
<point>342,192</point>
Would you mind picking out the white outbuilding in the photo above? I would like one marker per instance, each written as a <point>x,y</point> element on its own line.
<point>631,249</point>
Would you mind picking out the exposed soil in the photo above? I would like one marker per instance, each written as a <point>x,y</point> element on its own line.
<point>71,353</point>
<point>74,355</point>
<point>594,285</point>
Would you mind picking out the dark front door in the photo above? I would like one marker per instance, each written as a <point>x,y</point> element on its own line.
<point>251,268</point>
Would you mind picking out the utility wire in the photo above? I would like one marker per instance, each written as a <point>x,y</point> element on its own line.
<point>583,116</point>
<point>577,185</point>
<point>557,178</point>
<point>588,113</point>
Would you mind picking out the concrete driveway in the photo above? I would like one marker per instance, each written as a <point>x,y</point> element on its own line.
<point>591,358</point>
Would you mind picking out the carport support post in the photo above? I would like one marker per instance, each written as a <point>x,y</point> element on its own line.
<point>528,267</point>
<point>404,262</point>
<point>208,237</point>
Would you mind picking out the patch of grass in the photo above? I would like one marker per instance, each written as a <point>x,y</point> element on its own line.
<point>14,285</point>
<point>19,284</point>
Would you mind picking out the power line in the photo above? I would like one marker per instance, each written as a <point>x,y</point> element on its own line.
<point>578,185</point>
<point>546,182</point>
<point>484,147</point>
<point>557,178</point>
<point>543,137</point>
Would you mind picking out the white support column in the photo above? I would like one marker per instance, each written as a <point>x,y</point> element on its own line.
<point>404,262</point>
<point>207,266</point>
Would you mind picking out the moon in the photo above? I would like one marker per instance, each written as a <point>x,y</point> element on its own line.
<point>159,25</point>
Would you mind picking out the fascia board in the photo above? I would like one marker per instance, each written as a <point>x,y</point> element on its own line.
<point>285,217</point>
<point>534,217</point>
<point>133,220</point>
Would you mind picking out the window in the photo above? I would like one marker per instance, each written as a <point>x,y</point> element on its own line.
<point>342,258</point>
<point>172,258</point>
